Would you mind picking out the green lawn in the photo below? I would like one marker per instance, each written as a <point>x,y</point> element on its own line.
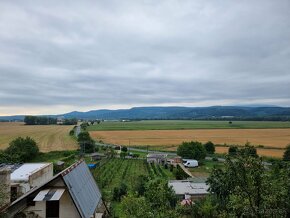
<point>205,167</point>
<point>186,124</point>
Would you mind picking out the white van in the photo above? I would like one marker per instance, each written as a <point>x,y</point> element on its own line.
<point>190,163</point>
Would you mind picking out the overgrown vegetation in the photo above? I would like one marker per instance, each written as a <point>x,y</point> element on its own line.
<point>192,150</point>
<point>19,150</point>
<point>87,144</point>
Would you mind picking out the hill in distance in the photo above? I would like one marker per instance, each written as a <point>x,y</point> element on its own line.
<point>214,112</point>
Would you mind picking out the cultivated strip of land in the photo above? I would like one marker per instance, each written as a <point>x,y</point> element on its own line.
<point>186,124</point>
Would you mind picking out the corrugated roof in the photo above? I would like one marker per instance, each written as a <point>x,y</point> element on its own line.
<point>83,188</point>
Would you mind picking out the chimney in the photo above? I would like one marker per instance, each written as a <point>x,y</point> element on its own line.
<point>4,187</point>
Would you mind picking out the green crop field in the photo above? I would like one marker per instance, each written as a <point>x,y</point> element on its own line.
<point>186,124</point>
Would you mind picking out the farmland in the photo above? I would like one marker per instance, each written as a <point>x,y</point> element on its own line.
<point>167,135</point>
<point>48,137</point>
<point>276,138</point>
<point>112,172</point>
<point>186,124</point>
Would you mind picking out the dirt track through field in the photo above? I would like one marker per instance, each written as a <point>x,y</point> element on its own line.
<point>48,137</point>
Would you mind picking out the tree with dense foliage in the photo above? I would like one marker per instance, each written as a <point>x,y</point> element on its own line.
<point>245,188</point>
<point>71,121</point>
<point>286,155</point>
<point>160,196</point>
<point>84,126</point>
<point>39,120</point>
<point>248,150</point>
<point>233,150</point>
<point>21,150</point>
<point>191,150</point>
<point>209,147</point>
<point>87,144</point>
<point>135,207</point>
<point>119,192</point>
<point>140,185</point>
<point>124,149</point>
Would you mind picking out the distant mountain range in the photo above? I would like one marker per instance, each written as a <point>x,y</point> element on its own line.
<point>214,112</point>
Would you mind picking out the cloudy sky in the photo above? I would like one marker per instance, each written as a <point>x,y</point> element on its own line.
<point>58,56</point>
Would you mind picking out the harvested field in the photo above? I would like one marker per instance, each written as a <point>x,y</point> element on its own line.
<point>224,150</point>
<point>276,138</point>
<point>261,151</point>
<point>49,138</point>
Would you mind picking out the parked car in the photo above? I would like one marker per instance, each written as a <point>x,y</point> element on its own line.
<point>190,163</point>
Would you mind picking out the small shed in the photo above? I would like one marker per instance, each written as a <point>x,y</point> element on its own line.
<point>60,164</point>
<point>159,158</point>
<point>97,156</point>
<point>187,189</point>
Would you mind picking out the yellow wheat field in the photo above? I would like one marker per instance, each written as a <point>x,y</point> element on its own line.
<point>275,138</point>
<point>48,137</point>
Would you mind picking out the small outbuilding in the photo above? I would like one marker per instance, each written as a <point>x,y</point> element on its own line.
<point>187,189</point>
<point>159,158</point>
<point>97,156</point>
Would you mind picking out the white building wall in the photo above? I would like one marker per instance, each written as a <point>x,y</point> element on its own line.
<point>67,208</point>
<point>41,176</point>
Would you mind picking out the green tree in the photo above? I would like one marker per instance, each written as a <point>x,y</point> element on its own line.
<point>22,149</point>
<point>233,150</point>
<point>124,149</point>
<point>140,185</point>
<point>286,155</point>
<point>209,147</point>
<point>119,192</point>
<point>87,144</point>
<point>245,188</point>
<point>248,150</point>
<point>191,150</point>
<point>160,196</point>
<point>135,207</point>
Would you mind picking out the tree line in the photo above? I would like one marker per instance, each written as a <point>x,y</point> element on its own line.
<point>43,120</point>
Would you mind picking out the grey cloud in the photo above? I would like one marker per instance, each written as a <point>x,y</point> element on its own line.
<point>94,54</point>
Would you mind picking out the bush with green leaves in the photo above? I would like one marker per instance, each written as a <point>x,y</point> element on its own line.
<point>21,150</point>
<point>191,150</point>
<point>87,144</point>
<point>286,155</point>
<point>209,147</point>
<point>119,192</point>
<point>233,150</point>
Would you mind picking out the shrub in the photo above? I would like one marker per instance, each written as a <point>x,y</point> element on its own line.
<point>233,150</point>
<point>209,147</point>
<point>191,150</point>
<point>286,156</point>
<point>22,149</point>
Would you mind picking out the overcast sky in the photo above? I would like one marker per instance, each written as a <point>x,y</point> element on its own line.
<point>59,56</point>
